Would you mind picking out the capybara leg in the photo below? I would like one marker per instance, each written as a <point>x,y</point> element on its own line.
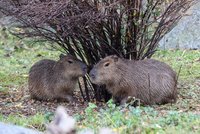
<point>130,101</point>
<point>116,100</point>
<point>69,98</point>
<point>123,101</point>
<point>65,98</point>
<point>168,100</point>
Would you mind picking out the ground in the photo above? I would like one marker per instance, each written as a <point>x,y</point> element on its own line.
<point>16,106</point>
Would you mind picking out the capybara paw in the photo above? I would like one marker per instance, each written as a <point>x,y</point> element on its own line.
<point>70,99</point>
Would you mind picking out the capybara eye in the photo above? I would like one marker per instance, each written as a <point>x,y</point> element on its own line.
<point>107,64</point>
<point>70,61</point>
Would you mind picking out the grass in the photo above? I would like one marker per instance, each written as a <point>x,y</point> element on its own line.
<point>139,120</point>
<point>187,60</point>
<point>183,117</point>
<point>36,122</point>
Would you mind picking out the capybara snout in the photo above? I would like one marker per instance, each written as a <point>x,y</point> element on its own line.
<point>84,68</point>
<point>151,81</point>
<point>104,71</point>
<point>92,73</point>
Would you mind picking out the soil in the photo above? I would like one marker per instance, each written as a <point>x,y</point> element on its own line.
<point>19,101</point>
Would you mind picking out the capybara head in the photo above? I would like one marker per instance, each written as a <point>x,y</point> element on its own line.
<point>104,71</point>
<point>72,66</point>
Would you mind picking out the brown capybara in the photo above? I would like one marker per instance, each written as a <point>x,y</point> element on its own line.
<point>151,81</point>
<point>49,79</point>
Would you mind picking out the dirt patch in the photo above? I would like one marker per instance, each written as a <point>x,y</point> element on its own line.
<point>19,101</point>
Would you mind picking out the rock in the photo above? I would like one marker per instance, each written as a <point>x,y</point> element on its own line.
<point>186,34</point>
<point>12,129</point>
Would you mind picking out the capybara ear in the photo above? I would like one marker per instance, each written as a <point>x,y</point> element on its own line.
<point>115,58</point>
<point>70,56</point>
<point>62,56</point>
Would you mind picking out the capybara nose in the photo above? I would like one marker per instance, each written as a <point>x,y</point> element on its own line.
<point>84,68</point>
<point>92,74</point>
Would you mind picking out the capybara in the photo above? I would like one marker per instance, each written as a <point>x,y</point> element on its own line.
<point>49,79</point>
<point>149,80</point>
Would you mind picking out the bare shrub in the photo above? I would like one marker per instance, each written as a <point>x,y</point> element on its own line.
<point>93,29</point>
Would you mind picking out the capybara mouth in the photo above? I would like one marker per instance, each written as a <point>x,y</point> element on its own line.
<point>84,71</point>
<point>92,77</point>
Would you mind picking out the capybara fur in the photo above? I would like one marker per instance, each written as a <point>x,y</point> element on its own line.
<point>149,80</point>
<point>50,80</point>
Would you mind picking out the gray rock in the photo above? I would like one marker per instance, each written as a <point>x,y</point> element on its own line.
<point>12,129</point>
<point>186,34</point>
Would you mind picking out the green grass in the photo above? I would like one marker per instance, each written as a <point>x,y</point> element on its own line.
<point>139,120</point>
<point>187,60</point>
<point>16,58</point>
<point>37,121</point>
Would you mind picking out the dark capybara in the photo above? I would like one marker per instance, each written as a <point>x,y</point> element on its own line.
<point>151,81</point>
<point>49,79</point>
